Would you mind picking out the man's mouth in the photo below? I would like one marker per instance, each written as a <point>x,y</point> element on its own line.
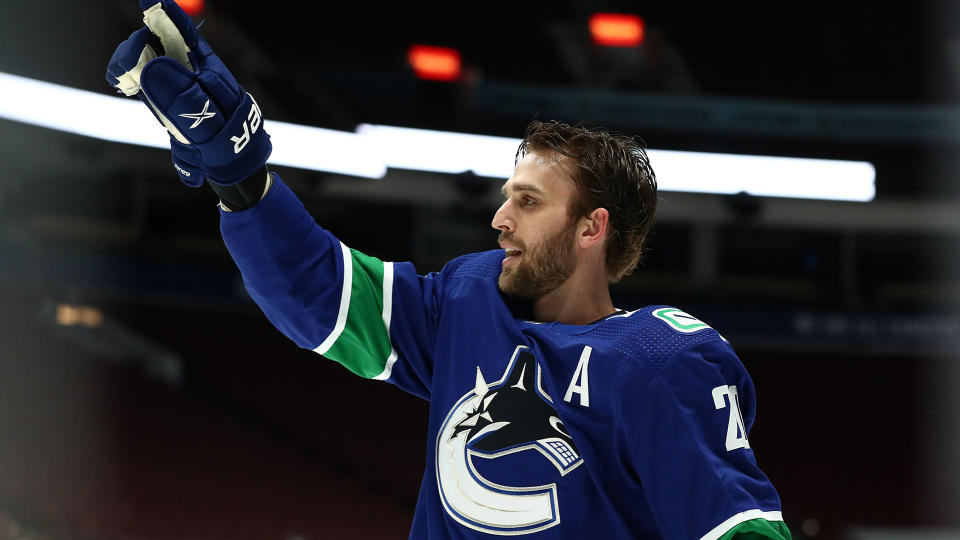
<point>511,254</point>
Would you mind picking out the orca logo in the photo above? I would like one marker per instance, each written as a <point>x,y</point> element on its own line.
<point>511,415</point>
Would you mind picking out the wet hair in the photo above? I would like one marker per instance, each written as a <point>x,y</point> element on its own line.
<point>611,170</point>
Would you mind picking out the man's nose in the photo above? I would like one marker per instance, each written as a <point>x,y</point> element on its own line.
<point>502,221</point>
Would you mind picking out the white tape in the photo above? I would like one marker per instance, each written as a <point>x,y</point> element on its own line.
<point>160,24</point>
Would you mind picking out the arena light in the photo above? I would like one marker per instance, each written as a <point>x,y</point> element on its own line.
<point>192,7</point>
<point>373,148</point>
<point>319,149</point>
<point>77,111</point>
<point>616,29</point>
<point>75,315</point>
<point>434,63</point>
<point>764,176</point>
<point>697,172</point>
<point>123,120</point>
<point>441,151</point>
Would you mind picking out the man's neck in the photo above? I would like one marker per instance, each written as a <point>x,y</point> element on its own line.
<point>577,301</point>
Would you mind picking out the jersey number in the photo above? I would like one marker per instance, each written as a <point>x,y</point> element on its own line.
<point>736,432</point>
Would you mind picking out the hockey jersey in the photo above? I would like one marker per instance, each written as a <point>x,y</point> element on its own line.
<point>635,426</point>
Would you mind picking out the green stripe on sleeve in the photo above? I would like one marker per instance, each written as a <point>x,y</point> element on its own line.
<point>758,529</point>
<point>364,345</point>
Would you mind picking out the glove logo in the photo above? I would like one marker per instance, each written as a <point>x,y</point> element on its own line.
<point>250,127</point>
<point>200,116</point>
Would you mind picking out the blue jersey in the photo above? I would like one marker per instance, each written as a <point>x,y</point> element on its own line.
<point>635,426</point>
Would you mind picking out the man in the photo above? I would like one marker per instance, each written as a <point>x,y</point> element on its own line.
<point>552,413</point>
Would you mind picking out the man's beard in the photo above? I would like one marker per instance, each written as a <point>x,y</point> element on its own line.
<point>542,269</point>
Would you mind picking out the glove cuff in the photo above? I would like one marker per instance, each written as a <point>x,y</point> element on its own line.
<point>243,194</point>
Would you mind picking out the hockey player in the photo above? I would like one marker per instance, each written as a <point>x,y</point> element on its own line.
<point>552,413</point>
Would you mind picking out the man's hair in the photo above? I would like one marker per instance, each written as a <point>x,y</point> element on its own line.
<point>612,171</point>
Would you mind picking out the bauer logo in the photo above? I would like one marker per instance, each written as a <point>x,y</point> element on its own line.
<point>250,127</point>
<point>199,117</point>
<point>493,421</point>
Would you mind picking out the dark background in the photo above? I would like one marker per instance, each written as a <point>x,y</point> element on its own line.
<point>185,414</point>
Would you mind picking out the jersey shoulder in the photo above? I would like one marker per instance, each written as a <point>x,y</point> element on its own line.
<point>482,266</point>
<point>654,335</point>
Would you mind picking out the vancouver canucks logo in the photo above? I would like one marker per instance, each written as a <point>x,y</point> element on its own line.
<point>493,420</point>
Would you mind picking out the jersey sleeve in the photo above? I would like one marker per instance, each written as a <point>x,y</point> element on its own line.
<point>378,319</point>
<point>692,452</point>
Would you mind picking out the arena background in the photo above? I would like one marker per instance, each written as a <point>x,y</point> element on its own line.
<point>144,396</point>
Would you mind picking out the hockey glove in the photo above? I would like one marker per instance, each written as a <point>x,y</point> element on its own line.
<point>216,130</point>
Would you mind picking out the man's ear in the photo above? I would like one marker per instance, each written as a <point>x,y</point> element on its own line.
<point>593,227</point>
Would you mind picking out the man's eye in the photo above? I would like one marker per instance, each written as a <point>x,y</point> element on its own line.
<point>527,201</point>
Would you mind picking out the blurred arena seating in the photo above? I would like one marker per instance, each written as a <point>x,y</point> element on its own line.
<point>97,449</point>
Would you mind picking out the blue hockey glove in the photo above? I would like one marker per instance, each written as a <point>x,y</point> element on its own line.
<point>216,130</point>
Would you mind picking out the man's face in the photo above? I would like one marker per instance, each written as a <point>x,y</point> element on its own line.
<point>536,229</point>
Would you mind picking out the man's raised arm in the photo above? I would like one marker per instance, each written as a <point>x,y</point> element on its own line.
<point>376,318</point>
